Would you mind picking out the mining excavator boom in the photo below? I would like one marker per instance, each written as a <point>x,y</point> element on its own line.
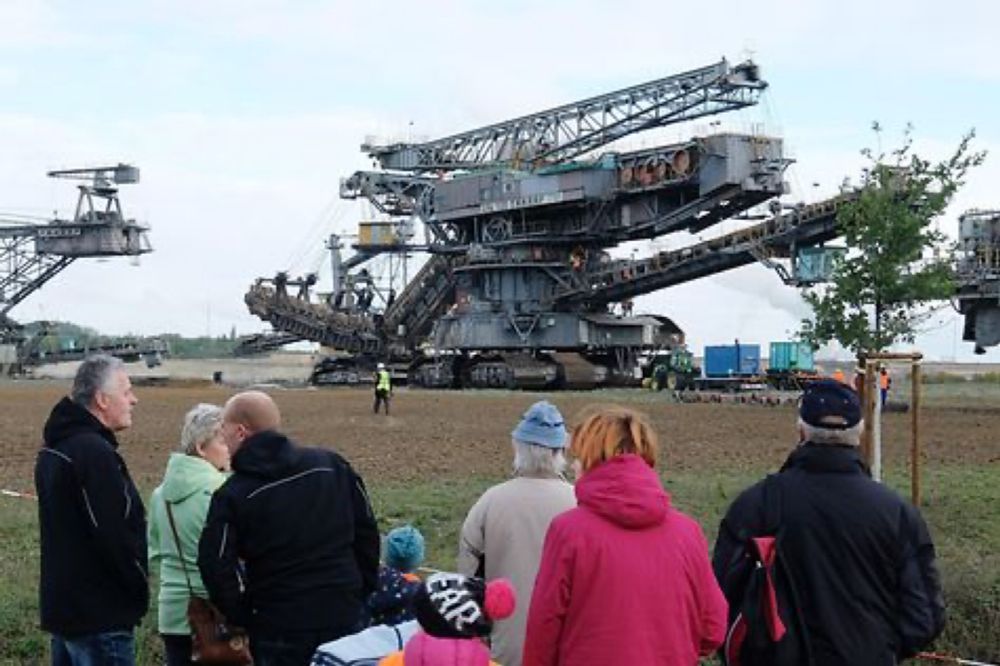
<point>518,218</point>
<point>32,253</point>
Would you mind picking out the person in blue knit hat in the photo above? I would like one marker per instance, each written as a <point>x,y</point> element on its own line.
<point>503,534</point>
<point>392,601</point>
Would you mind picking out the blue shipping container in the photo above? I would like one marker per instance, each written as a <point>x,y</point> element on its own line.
<point>791,357</point>
<point>732,360</point>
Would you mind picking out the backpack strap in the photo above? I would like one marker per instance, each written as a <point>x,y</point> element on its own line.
<point>177,542</point>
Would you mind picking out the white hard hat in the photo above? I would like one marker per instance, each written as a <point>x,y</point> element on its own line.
<point>381,366</point>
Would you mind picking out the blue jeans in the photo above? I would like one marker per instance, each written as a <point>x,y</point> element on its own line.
<point>111,648</point>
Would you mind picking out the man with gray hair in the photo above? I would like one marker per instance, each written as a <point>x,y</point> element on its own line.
<point>856,556</point>
<point>503,534</point>
<point>93,585</point>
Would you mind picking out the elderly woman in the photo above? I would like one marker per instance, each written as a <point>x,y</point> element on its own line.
<point>193,474</point>
<point>503,533</point>
<point>624,577</point>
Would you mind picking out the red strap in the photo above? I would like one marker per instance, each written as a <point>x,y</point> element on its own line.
<point>734,641</point>
<point>766,549</point>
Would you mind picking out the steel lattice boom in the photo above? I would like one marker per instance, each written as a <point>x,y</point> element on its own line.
<point>32,254</point>
<point>571,130</point>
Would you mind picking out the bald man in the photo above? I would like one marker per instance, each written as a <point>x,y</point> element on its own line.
<point>290,547</point>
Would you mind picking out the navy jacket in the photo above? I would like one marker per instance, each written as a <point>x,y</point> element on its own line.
<point>861,557</point>
<point>93,529</point>
<point>290,544</point>
<point>392,601</point>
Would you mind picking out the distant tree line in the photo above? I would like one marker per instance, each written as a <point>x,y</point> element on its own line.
<point>51,336</point>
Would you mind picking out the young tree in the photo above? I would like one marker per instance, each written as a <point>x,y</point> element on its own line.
<point>897,260</point>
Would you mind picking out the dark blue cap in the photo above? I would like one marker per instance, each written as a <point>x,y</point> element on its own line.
<point>830,404</point>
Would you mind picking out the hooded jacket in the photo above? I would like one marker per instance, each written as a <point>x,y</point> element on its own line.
<point>188,486</point>
<point>290,545</point>
<point>93,529</point>
<point>624,578</point>
<point>861,558</point>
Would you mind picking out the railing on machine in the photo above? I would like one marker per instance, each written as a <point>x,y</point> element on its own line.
<point>412,315</point>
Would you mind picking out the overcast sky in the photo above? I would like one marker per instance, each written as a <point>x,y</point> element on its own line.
<point>243,115</point>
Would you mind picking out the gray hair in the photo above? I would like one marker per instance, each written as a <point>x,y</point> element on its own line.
<point>536,460</point>
<point>201,424</point>
<point>93,375</point>
<point>846,437</point>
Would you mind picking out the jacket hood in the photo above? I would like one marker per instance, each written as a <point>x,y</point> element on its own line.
<point>68,419</point>
<point>267,454</point>
<point>187,475</point>
<point>626,491</point>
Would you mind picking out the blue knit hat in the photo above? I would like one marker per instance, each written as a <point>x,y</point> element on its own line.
<point>543,425</point>
<point>404,548</point>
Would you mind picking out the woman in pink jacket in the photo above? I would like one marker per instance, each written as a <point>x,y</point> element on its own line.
<point>625,578</point>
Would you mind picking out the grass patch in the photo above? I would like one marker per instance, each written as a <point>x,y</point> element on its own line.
<point>952,378</point>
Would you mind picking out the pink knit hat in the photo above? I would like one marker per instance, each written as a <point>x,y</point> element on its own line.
<point>425,650</point>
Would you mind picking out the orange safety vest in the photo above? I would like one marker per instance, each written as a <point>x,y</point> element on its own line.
<point>838,374</point>
<point>883,381</point>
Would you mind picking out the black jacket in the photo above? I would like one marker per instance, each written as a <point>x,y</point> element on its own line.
<point>861,558</point>
<point>298,521</point>
<point>93,528</point>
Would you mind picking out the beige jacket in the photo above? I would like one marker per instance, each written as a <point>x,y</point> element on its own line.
<point>505,531</point>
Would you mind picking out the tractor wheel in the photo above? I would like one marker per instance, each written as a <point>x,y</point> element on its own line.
<point>672,381</point>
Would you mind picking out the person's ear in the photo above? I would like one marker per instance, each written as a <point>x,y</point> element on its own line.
<point>101,400</point>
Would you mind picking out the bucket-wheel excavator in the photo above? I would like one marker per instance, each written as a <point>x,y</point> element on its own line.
<point>519,288</point>
<point>32,253</point>
<point>977,277</point>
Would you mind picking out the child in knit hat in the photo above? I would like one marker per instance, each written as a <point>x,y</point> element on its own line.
<point>455,613</point>
<point>392,601</point>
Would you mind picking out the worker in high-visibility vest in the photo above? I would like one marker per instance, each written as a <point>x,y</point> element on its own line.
<point>884,382</point>
<point>383,388</point>
<point>838,375</point>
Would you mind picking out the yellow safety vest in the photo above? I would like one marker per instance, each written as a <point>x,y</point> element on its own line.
<point>383,381</point>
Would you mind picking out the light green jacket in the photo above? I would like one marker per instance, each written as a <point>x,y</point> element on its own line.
<point>188,485</point>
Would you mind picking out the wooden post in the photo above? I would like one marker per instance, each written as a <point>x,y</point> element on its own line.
<point>876,448</point>
<point>868,412</point>
<point>915,388</point>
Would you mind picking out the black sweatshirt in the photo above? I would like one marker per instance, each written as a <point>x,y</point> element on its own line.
<point>93,529</point>
<point>290,544</point>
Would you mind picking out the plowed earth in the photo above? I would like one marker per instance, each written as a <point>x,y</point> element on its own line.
<point>448,435</point>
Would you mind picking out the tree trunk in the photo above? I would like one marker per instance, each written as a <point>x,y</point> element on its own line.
<point>877,340</point>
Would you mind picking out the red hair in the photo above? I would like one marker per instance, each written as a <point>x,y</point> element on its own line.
<point>611,430</point>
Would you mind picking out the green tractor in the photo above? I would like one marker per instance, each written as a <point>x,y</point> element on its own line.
<point>673,370</point>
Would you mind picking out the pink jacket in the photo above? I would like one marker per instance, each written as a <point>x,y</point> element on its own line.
<point>624,578</point>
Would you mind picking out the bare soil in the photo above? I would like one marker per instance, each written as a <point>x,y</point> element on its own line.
<point>451,435</point>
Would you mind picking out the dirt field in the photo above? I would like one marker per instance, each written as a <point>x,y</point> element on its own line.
<point>438,434</point>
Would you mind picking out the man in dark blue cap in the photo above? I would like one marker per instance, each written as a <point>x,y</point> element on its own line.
<point>859,557</point>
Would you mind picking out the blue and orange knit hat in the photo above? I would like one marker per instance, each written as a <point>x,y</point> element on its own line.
<point>404,548</point>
